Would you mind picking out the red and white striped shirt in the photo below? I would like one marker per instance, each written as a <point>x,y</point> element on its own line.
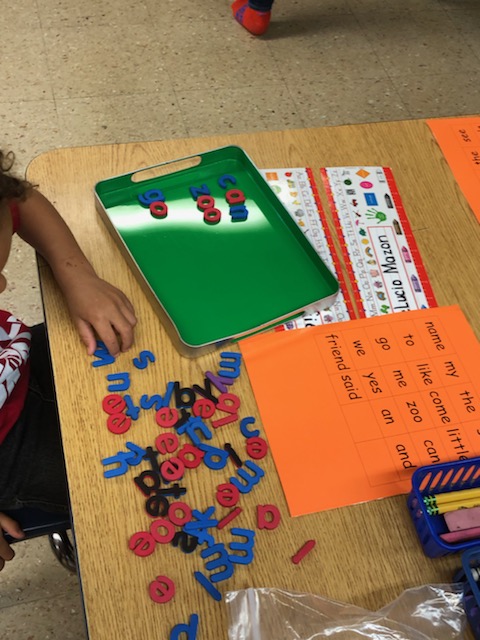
<point>15,339</point>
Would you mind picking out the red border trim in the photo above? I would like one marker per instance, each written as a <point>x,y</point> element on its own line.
<point>328,235</point>
<point>417,258</point>
<point>346,257</point>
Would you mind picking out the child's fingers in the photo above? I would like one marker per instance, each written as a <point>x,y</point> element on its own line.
<point>11,527</point>
<point>105,333</point>
<point>117,337</point>
<point>117,326</point>
<point>124,327</point>
<point>6,551</point>
<point>87,335</point>
<point>127,309</point>
<point>114,329</point>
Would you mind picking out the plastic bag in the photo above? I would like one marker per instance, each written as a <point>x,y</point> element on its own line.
<point>420,613</point>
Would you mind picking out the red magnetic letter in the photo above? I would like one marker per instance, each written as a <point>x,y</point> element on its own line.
<point>161,523</point>
<point>113,403</point>
<point>166,443</point>
<point>166,417</point>
<point>142,543</point>
<point>227,495</point>
<point>118,423</point>
<point>162,589</point>
<point>272,511</point>
<point>256,448</point>
<point>172,469</point>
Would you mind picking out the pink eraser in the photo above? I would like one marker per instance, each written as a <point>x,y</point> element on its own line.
<point>460,536</point>
<point>463,519</point>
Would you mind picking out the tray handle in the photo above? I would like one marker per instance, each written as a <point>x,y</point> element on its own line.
<point>165,168</point>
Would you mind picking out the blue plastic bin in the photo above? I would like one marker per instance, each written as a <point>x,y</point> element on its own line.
<point>468,576</point>
<point>440,478</point>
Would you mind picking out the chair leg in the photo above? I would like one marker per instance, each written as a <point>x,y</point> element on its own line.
<point>63,550</point>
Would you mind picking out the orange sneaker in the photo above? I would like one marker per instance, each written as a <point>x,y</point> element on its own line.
<point>256,22</point>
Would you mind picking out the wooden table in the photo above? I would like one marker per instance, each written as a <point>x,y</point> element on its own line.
<point>365,554</point>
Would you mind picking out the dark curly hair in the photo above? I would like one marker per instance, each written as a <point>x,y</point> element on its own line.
<point>11,187</point>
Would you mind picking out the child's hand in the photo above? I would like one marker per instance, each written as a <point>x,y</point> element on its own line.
<point>12,528</point>
<point>97,308</point>
<point>100,310</point>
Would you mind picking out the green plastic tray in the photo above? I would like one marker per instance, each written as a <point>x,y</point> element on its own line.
<point>213,282</point>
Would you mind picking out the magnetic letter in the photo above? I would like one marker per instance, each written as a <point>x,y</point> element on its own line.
<point>121,459</point>
<point>143,359</point>
<point>235,196</point>
<point>246,547</point>
<point>190,629</point>
<point>244,428</point>
<point>158,209</point>
<point>113,403</point>
<point>222,562</point>
<point>214,458</point>
<point>162,589</point>
<point>186,513</point>
<point>166,417</point>
<point>166,443</point>
<point>103,355</point>
<point>230,366</point>
<point>223,180</point>
<point>172,469</point>
<point>196,456</point>
<point>161,523</point>
<point>227,495</point>
<point>256,448</point>
<point>118,423</point>
<point>203,408</point>
<point>142,543</point>
<point>122,380</point>
<point>191,426</point>
<point>205,202</point>
<point>249,480</point>
<point>274,516</point>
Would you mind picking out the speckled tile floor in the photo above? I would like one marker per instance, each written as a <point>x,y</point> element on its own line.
<point>77,72</point>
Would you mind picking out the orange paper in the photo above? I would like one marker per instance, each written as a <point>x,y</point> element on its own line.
<point>459,140</point>
<point>352,409</point>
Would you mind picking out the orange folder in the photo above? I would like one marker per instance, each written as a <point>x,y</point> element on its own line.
<point>459,140</point>
<point>351,409</point>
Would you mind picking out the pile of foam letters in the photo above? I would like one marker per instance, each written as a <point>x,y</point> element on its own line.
<point>174,522</point>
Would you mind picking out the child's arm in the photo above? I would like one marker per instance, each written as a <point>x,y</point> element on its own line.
<point>96,306</point>
<point>13,528</point>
